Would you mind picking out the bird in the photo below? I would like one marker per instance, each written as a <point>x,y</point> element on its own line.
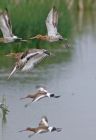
<point>29,59</point>
<point>39,94</point>
<point>43,127</point>
<point>51,24</point>
<point>6,28</point>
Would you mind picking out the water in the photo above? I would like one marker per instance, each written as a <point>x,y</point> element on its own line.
<point>71,74</point>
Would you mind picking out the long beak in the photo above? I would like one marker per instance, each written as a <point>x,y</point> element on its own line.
<point>22,130</point>
<point>23,98</point>
<point>57,96</point>
<point>23,40</point>
<point>58,129</point>
<point>13,71</point>
<point>20,39</point>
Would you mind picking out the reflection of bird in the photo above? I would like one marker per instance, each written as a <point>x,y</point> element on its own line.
<point>4,108</point>
<point>28,59</point>
<point>40,93</point>
<point>51,24</point>
<point>6,28</point>
<point>42,128</point>
<point>1,105</point>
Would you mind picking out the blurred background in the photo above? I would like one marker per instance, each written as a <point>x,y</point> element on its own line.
<point>70,72</point>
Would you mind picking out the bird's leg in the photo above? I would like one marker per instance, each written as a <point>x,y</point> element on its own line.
<point>13,71</point>
<point>26,105</point>
<point>31,135</point>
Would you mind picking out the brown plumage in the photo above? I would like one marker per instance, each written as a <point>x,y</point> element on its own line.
<point>39,94</point>
<point>6,28</point>
<point>42,127</point>
<point>29,59</point>
<point>51,24</point>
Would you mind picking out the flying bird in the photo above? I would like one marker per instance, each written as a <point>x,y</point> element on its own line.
<point>43,127</point>
<point>39,94</point>
<point>29,59</point>
<point>6,28</point>
<point>51,24</point>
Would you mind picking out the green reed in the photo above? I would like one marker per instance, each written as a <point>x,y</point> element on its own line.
<point>28,19</point>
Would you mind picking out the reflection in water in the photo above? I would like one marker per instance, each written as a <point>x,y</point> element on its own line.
<point>4,109</point>
<point>3,118</point>
<point>85,20</point>
<point>80,20</point>
<point>3,129</point>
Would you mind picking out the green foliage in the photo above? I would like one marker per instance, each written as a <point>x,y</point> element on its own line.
<point>28,19</point>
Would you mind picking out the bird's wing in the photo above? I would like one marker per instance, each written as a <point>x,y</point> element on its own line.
<point>13,71</point>
<point>32,60</point>
<point>43,122</point>
<point>30,53</point>
<point>6,13</point>
<point>42,89</point>
<point>52,21</point>
<point>5,24</point>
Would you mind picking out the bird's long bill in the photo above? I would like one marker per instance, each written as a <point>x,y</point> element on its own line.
<point>58,129</point>
<point>22,130</point>
<point>20,39</point>
<point>22,98</point>
<point>13,71</point>
<point>23,40</point>
<point>57,96</point>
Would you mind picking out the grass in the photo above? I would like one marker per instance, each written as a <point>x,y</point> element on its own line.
<point>28,19</point>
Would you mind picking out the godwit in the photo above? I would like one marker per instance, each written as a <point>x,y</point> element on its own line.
<point>51,24</point>
<point>6,28</point>
<point>28,59</point>
<point>40,93</point>
<point>42,128</point>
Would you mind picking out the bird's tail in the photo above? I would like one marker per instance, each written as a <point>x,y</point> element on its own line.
<point>13,71</point>
<point>58,129</point>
